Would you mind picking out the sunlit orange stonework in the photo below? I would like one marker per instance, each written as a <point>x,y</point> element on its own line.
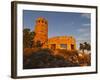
<point>41,30</point>
<point>57,42</point>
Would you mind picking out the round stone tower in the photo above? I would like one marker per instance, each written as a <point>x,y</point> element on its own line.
<point>41,30</point>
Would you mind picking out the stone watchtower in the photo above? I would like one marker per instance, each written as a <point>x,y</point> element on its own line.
<point>41,30</point>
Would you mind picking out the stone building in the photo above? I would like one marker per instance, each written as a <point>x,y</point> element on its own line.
<point>57,42</point>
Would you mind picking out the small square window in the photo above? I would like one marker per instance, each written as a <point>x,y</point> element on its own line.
<point>63,46</point>
<point>42,21</point>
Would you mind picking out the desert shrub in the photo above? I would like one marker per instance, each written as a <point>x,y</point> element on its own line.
<point>85,59</point>
<point>44,59</point>
<point>36,58</point>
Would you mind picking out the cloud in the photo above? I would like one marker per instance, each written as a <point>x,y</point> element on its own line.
<point>72,23</point>
<point>83,34</point>
<point>86,15</point>
<point>86,34</point>
<point>80,30</point>
<point>83,30</point>
<point>87,24</point>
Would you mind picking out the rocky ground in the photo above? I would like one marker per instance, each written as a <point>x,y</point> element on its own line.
<point>46,58</point>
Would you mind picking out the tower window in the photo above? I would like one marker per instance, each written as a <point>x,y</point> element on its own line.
<point>38,20</point>
<point>42,21</point>
<point>72,46</point>
<point>45,22</point>
<point>53,46</point>
<point>64,46</point>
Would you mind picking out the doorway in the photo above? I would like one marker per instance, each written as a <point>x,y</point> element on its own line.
<point>53,46</point>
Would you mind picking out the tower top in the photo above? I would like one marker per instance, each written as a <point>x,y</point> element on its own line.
<point>41,19</point>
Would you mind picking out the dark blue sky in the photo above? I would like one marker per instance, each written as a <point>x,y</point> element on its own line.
<point>61,23</point>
